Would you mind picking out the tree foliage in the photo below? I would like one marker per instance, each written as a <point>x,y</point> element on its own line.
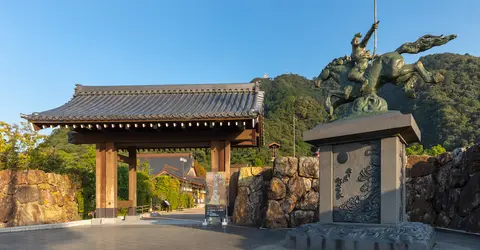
<point>447,113</point>
<point>18,145</point>
<point>417,149</point>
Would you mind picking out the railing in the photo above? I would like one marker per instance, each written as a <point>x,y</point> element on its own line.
<point>143,209</point>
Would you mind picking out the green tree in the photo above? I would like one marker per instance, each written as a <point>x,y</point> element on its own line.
<point>447,113</point>
<point>167,188</point>
<point>18,146</point>
<point>416,149</point>
<point>435,150</point>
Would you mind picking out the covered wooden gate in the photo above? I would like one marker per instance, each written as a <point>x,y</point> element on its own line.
<point>215,116</point>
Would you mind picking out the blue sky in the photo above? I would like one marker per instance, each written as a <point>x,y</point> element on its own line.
<point>46,47</point>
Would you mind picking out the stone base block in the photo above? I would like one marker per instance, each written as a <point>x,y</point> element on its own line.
<point>132,218</point>
<point>103,221</point>
<point>408,235</point>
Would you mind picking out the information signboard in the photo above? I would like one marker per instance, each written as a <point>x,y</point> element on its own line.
<point>216,200</point>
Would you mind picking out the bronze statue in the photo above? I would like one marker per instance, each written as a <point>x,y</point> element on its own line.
<point>360,56</point>
<point>359,81</point>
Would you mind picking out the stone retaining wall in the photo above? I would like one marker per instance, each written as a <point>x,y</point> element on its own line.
<point>251,200</point>
<point>293,192</point>
<point>35,197</point>
<point>442,191</point>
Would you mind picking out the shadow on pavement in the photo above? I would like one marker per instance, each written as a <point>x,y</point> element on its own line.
<point>41,239</point>
<point>244,237</point>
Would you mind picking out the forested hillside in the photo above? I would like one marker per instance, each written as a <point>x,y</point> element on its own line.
<point>447,113</point>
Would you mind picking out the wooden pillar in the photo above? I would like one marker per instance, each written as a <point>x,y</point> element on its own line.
<point>100,181</point>
<point>220,156</point>
<point>214,148</point>
<point>226,168</point>
<point>132,180</point>
<point>111,181</point>
<point>227,154</point>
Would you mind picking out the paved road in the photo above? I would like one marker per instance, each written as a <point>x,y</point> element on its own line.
<point>178,230</point>
<point>154,236</point>
<point>142,237</point>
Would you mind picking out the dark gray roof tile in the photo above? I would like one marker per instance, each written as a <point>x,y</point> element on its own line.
<point>157,102</point>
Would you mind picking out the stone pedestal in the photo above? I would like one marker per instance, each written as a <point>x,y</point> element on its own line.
<point>362,184</point>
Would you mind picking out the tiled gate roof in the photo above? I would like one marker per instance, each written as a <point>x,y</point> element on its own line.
<point>156,102</point>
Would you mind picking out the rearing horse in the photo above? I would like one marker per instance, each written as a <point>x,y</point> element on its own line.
<point>387,68</point>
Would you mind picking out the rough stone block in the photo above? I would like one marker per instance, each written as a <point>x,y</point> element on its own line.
<point>444,158</point>
<point>285,166</point>
<point>7,208</point>
<point>470,196</point>
<point>300,217</point>
<point>425,186</point>
<point>473,159</point>
<point>4,178</point>
<point>309,201</point>
<point>277,189</point>
<point>422,211</point>
<point>256,171</point>
<point>308,183</point>
<point>308,167</point>
<point>458,222</point>
<point>50,178</point>
<point>458,155</point>
<point>458,177</point>
<point>27,194</point>
<point>275,216</point>
<point>316,185</point>
<point>35,177</point>
<point>420,165</point>
<point>19,178</point>
<point>296,186</point>
<point>288,204</point>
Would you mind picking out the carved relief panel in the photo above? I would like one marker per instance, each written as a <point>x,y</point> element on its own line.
<point>356,173</point>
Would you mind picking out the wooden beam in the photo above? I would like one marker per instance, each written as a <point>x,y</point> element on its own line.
<point>93,137</point>
<point>124,159</point>
<point>179,145</point>
<point>149,145</point>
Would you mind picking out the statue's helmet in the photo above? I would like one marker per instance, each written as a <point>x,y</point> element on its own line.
<point>356,38</point>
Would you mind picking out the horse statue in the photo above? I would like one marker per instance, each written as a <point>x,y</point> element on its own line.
<point>355,98</point>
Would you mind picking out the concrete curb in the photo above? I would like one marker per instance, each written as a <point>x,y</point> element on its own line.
<point>46,226</point>
<point>449,230</point>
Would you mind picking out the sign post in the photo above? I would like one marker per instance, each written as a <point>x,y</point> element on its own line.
<point>216,201</point>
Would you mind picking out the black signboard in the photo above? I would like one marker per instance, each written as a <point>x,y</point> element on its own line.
<point>215,211</point>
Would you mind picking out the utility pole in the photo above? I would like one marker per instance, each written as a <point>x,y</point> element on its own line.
<point>294,143</point>
<point>375,31</point>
